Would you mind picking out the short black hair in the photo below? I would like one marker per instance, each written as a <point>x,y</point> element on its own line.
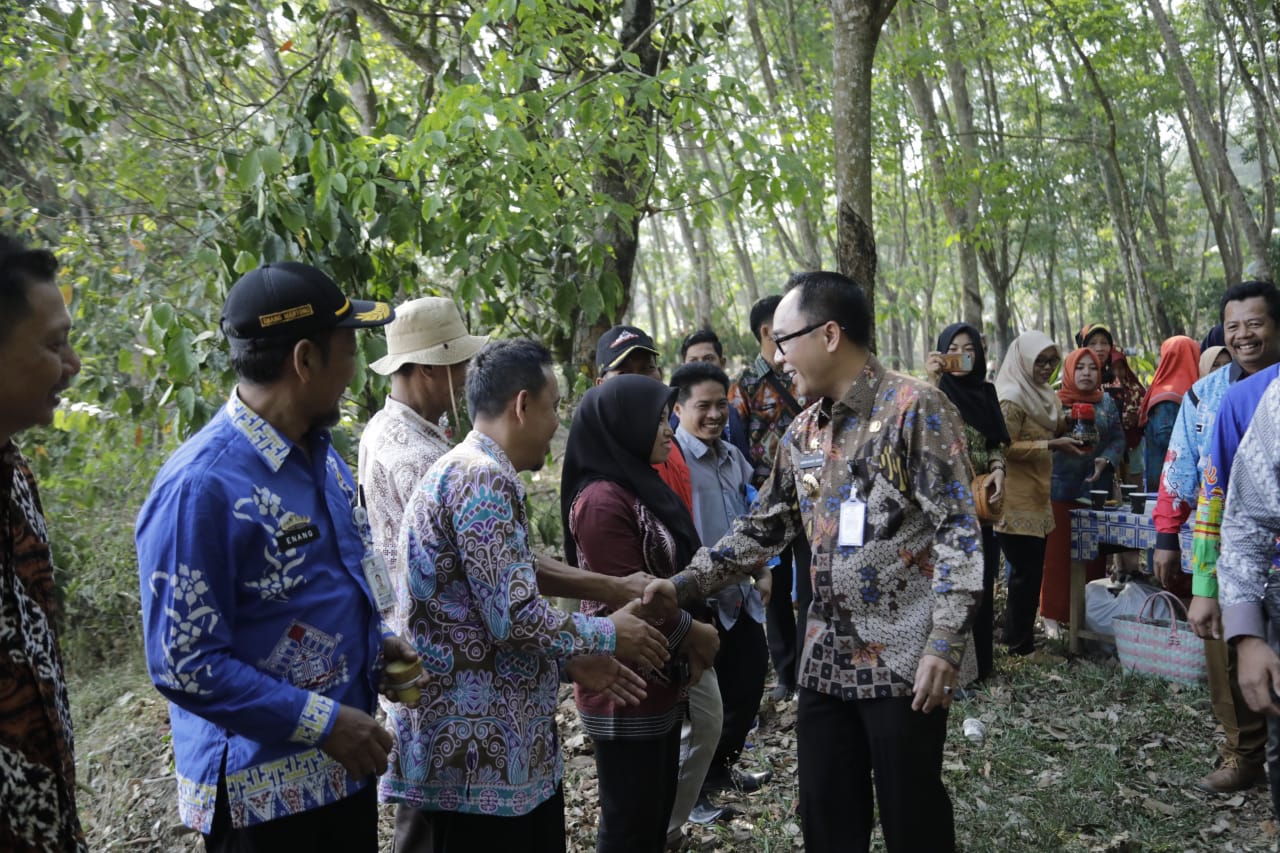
<point>21,267</point>
<point>695,373</point>
<point>826,296</point>
<point>702,336</point>
<point>762,312</point>
<point>1252,290</point>
<point>261,361</point>
<point>502,370</point>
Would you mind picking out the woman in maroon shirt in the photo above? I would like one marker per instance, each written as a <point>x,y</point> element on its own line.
<point>619,518</point>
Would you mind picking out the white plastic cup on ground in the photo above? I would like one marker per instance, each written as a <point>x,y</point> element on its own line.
<point>975,730</point>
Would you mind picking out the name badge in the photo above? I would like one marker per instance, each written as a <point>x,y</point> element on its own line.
<point>287,540</point>
<point>853,522</point>
<point>810,460</point>
<point>379,580</point>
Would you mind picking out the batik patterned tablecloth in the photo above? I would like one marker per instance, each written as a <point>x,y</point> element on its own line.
<point>1094,529</point>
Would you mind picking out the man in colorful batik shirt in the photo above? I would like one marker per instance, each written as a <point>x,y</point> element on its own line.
<point>482,757</point>
<point>37,764</point>
<point>765,401</point>
<point>428,350</point>
<point>1249,570</point>
<point>1251,325</point>
<point>875,473</point>
<point>260,586</point>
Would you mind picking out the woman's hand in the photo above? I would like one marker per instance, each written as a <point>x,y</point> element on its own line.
<point>1099,468</point>
<point>1068,445</point>
<point>995,486</point>
<point>933,367</point>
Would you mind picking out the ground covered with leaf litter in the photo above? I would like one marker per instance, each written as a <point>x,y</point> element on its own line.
<point>1077,756</point>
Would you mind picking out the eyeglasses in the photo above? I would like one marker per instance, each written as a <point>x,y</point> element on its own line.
<point>1049,363</point>
<point>779,340</point>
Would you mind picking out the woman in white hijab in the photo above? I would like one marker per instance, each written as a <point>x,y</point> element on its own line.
<point>1034,416</point>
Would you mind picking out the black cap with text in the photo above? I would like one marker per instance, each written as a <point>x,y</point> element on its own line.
<point>293,300</point>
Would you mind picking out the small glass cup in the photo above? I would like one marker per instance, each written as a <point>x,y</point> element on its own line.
<point>402,677</point>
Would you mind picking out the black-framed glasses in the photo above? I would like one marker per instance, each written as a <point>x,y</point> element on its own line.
<point>779,340</point>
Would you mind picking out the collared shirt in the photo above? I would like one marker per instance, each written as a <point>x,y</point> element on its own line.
<point>913,585</point>
<point>487,741</point>
<point>1185,459</point>
<point>397,448</point>
<point>257,618</point>
<point>37,767</point>
<point>1251,523</point>
<point>1234,414</point>
<point>719,477</point>
<point>765,413</point>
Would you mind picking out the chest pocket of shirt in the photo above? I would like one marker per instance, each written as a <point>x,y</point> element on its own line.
<point>888,481</point>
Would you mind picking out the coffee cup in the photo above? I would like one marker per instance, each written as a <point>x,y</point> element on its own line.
<point>402,678</point>
<point>1138,503</point>
<point>1099,498</point>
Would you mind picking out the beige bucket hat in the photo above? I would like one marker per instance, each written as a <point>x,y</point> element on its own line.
<point>427,331</point>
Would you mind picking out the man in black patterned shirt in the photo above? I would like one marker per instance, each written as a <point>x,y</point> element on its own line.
<point>874,471</point>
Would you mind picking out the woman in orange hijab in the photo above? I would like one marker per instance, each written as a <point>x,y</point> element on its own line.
<point>1178,370</point>
<point>1074,477</point>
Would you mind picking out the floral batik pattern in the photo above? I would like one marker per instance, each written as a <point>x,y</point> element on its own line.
<point>484,739</point>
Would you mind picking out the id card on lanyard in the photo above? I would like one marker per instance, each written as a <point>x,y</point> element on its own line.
<point>851,532</point>
<point>853,519</point>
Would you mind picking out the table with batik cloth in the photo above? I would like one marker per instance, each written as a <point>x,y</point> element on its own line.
<point>1095,532</point>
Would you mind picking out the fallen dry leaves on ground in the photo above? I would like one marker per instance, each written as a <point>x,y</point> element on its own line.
<point>1077,756</point>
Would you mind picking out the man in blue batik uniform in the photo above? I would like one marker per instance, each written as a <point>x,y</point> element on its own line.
<point>260,587</point>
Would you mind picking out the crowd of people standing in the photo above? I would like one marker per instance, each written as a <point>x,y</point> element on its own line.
<point>841,521</point>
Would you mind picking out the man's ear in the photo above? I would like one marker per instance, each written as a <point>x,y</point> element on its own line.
<point>766,329</point>
<point>832,336</point>
<point>521,405</point>
<point>677,408</point>
<point>305,359</point>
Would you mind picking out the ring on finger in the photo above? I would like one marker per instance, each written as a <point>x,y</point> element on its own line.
<point>947,689</point>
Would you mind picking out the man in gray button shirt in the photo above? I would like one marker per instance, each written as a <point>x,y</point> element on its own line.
<point>720,478</point>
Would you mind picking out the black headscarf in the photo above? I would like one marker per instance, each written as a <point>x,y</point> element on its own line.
<point>972,394</point>
<point>611,439</point>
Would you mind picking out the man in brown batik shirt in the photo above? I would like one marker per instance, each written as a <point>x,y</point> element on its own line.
<point>874,471</point>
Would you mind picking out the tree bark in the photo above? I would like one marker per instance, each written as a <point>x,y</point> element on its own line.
<point>855,33</point>
<point>1207,132</point>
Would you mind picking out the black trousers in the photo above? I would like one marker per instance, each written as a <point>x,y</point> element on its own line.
<point>413,831</point>
<point>984,620</point>
<point>539,831</point>
<point>785,631</point>
<point>637,780</point>
<point>842,746</point>
<point>1026,556</point>
<point>351,824</point>
<point>741,667</point>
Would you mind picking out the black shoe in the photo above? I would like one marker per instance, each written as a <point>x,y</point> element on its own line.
<point>782,693</point>
<point>737,780</point>
<point>705,812</point>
